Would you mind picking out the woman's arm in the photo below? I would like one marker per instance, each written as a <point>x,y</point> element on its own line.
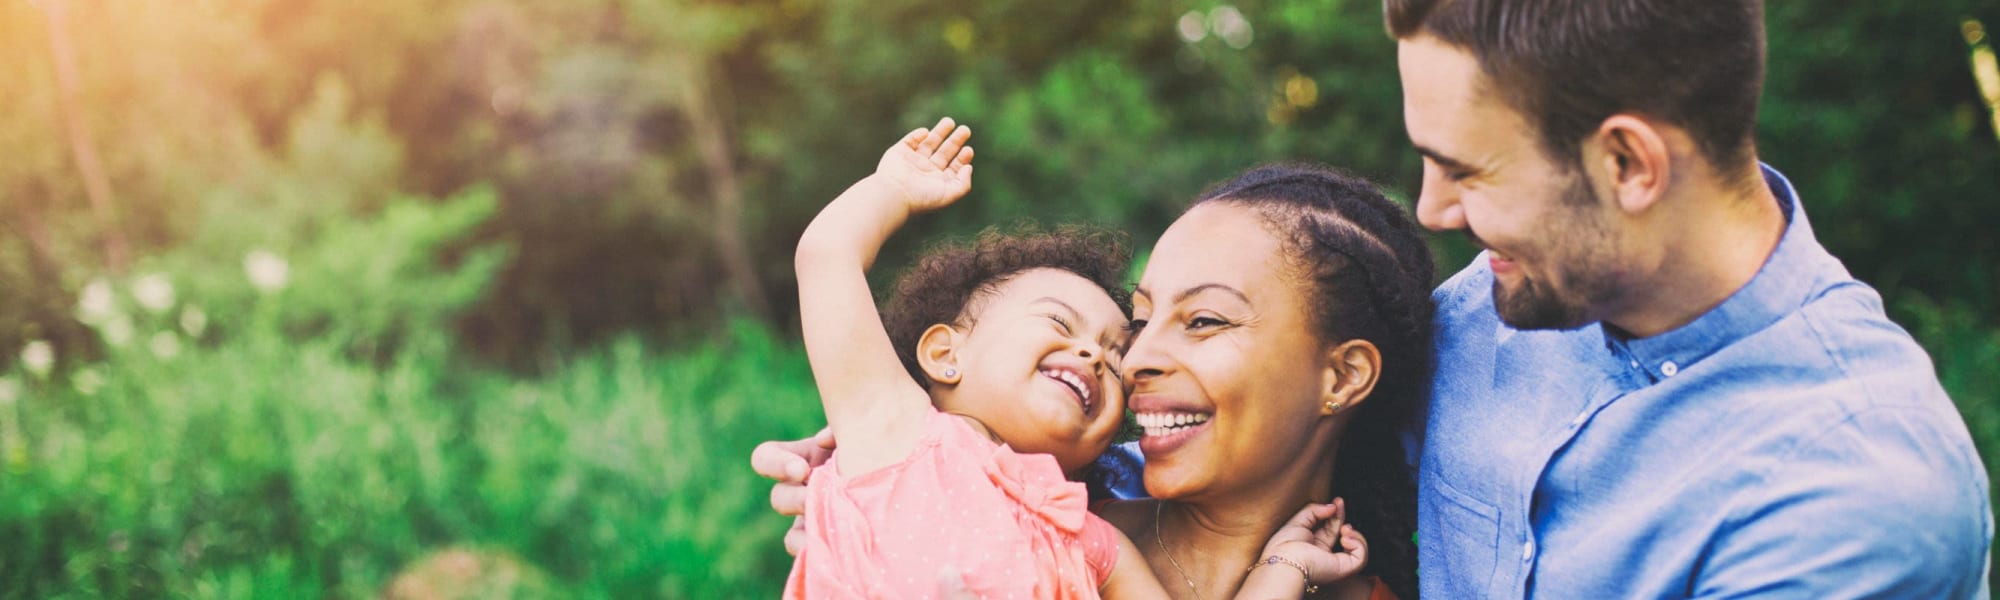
<point>871,404</point>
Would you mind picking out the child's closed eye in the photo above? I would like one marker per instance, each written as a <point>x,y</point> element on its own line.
<point>1061,324</point>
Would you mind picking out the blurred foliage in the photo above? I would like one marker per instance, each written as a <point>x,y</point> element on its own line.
<point>468,290</point>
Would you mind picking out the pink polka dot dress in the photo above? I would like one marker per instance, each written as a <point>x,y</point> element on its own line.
<point>1009,524</point>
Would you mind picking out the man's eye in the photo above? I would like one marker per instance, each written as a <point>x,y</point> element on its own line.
<point>1457,175</point>
<point>1135,326</point>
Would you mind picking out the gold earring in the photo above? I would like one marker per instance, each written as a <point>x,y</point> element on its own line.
<point>1333,406</point>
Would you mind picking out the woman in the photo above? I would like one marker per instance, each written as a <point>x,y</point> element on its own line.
<point>1286,317</point>
<point>1282,341</point>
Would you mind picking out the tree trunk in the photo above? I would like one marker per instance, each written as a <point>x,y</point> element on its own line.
<point>725,189</point>
<point>96,185</point>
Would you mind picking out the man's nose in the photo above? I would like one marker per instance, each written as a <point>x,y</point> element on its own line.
<point>1438,206</point>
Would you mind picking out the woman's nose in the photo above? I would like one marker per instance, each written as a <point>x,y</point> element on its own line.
<point>1143,359</point>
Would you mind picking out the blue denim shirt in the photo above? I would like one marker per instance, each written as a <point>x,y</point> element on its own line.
<point>1790,443</point>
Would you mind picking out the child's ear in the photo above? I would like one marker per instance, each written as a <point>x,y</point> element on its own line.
<point>1352,368</point>
<point>937,354</point>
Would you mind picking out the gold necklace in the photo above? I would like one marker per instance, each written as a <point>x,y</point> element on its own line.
<point>1170,554</point>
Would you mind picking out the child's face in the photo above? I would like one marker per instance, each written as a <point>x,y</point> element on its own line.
<point>1040,366</point>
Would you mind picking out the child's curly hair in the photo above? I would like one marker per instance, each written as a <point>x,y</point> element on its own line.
<point>950,277</point>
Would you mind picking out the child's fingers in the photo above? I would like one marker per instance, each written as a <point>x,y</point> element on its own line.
<point>1353,543</point>
<point>915,136</point>
<point>1306,517</point>
<point>953,142</point>
<point>935,137</point>
<point>963,160</point>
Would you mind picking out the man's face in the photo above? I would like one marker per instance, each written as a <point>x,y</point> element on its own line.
<point>1549,237</point>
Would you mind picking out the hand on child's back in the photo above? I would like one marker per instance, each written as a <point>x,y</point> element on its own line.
<point>931,168</point>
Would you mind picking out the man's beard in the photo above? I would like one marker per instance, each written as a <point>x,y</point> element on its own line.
<point>1580,261</point>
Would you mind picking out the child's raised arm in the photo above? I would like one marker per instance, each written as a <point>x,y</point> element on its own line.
<point>875,410</point>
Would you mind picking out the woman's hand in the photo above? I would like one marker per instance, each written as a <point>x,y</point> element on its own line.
<point>930,168</point>
<point>1319,539</point>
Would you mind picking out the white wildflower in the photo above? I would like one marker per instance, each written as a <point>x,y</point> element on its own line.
<point>9,392</point>
<point>87,381</point>
<point>154,292</point>
<point>95,303</point>
<point>1192,27</point>
<point>193,321</point>
<point>1229,24</point>
<point>39,357</point>
<point>267,271</point>
<point>116,330</point>
<point>165,345</point>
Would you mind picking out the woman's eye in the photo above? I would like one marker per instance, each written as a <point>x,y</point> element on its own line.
<point>1205,322</point>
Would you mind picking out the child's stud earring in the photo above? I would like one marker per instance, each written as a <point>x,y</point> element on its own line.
<point>1333,407</point>
<point>950,372</point>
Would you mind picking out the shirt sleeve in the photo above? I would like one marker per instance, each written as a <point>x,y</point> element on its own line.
<point>1852,515</point>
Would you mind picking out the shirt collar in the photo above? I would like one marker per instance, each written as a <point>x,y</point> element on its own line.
<point>1781,286</point>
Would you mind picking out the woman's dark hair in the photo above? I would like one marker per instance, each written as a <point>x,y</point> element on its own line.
<point>1370,278</point>
<point>950,277</point>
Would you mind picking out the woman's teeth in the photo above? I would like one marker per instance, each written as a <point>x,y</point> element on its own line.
<point>1167,423</point>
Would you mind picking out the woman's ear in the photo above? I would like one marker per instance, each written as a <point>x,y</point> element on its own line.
<point>937,354</point>
<point>1352,368</point>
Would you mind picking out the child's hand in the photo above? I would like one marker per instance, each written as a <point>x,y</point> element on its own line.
<point>1310,538</point>
<point>929,168</point>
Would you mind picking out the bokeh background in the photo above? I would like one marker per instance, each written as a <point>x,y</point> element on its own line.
<point>352,298</point>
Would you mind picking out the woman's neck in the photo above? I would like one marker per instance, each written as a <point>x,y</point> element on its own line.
<point>1212,541</point>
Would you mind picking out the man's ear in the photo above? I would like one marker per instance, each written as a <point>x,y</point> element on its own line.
<point>1634,155</point>
<point>1350,373</point>
<point>937,354</point>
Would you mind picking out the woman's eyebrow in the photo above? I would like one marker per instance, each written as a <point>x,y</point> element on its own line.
<point>1191,292</point>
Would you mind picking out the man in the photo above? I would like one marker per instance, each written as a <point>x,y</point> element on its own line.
<point>1655,382</point>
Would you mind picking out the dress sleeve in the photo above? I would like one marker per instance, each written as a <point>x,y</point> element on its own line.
<point>1100,547</point>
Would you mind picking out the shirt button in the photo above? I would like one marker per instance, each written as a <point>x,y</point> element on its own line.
<point>1635,364</point>
<point>1669,368</point>
<point>1527,551</point>
<point>1578,421</point>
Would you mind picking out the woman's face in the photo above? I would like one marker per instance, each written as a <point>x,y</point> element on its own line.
<point>1226,368</point>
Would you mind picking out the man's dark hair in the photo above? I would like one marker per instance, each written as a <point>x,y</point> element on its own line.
<point>1366,274</point>
<point>1569,64</point>
<point>951,277</point>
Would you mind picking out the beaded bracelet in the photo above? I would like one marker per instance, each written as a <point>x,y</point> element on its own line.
<point>1280,560</point>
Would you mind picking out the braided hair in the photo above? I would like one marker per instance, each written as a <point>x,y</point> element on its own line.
<point>1370,278</point>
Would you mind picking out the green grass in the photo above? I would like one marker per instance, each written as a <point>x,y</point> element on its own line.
<point>273,469</point>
